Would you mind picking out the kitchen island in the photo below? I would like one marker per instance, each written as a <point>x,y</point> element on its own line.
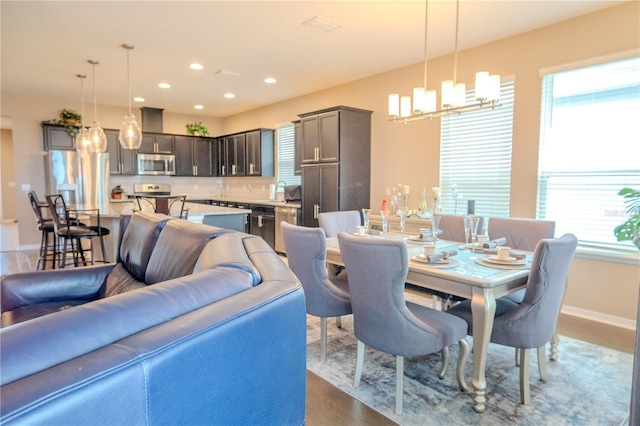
<point>224,217</point>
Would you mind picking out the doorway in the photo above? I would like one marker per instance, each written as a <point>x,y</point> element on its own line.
<point>8,197</point>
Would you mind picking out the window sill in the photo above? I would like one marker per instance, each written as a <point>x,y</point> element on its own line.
<point>629,256</point>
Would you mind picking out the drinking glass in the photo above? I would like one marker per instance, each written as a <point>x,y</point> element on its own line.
<point>403,216</point>
<point>365,219</point>
<point>467,227</point>
<point>435,226</point>
<point>473,230</point>
<point>385,220</point>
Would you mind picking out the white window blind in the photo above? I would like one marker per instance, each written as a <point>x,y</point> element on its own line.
<point>475,158</point>
<point>285,139</point>
<point>589,148</point>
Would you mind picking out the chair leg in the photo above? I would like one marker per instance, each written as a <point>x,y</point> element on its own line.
<point>359,362</point>
<point>542,363</point>
<point>555,341</point>
<point>323,340</point>
<point>445,362</point>
<point>339,322</point>
<point>524,377</point>
<point>462,362</point>
<point>399,383</point>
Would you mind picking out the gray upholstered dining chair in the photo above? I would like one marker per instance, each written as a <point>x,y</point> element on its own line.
<point>531,324</point>
<point>340,221</point>
<point>325,297</point>
<point>384,320</point>
<point>452,227</point>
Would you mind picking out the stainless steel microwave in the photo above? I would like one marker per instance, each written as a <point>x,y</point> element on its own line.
<point>156,164</point>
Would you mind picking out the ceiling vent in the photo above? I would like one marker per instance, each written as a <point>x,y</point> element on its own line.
<point>322,24</point>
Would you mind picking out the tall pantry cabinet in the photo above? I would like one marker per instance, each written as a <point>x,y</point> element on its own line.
<point>336,160</point>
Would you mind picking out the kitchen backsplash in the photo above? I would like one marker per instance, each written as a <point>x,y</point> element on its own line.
<point>249,188</point>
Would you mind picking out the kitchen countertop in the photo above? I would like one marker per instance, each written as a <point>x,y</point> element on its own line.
<point>293,204</point>
<point>119,208</point>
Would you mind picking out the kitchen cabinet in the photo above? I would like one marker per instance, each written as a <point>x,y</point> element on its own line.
<point>259,152</point>
<point>56,138</point>
<point>121,161</point>
<point>297,155</point>
<point>194,156</point>
<point>156,143</point>
<point>232,155</point>
<point>336,161</point>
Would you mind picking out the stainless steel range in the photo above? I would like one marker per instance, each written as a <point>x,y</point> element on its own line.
<point>150,189</point>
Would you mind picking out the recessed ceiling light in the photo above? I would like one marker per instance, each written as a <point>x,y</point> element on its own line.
<point>198,107</point>
<point>196,66</point>
<point>229,95</point>
<point>164,85</point>
<point>270,80</point>
<point>138,99</point>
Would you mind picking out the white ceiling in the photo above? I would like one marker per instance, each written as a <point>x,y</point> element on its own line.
<point>45,44</point>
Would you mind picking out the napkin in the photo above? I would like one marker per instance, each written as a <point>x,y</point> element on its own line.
<point>445,254</point>
<point>495,243</point>
<point>427,234</point>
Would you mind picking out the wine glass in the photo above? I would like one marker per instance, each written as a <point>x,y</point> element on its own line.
<point>365,219</point>
<point>467,227</point>
<point>403,216</point>
<point>385,220</point>
<point>435,226</point>
<point>473,230</point>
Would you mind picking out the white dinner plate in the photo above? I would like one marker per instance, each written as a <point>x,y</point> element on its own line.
<point>483,262</point>
<point>418,240</point>
<point>508,261</point>
<point>443,263</point>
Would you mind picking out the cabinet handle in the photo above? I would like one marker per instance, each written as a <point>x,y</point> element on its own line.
<point>316,154</point>
<point>195,170</point>
<point>233,169</point>
<point>260,221</point>
<point>251,168</point>
<point>223,170</point>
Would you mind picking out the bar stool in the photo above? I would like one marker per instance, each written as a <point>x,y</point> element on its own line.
<point>163,203</point>
<point>46,227</point>
<point>70,230</point>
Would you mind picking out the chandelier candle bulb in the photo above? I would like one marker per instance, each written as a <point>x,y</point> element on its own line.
<point>405,106</point>
<point>460,94</point>
<point>418,99</point>
<point>448,94</point>
<point>494,88</point>
<point>394,105</point>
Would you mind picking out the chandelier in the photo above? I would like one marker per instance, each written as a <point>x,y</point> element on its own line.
<point>83,141</point>
<point>453,94</point>
<point>130,135</point>
<point>96,133</point>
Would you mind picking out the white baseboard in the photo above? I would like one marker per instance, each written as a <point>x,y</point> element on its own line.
<point>612,320</point>
<point>26,247</point>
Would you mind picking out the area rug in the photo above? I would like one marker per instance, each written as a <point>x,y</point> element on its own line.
<point>588,385</point>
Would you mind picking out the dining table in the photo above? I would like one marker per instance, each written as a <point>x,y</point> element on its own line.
<point>468,274</point>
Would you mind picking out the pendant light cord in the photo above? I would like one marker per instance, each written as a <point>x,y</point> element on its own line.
<point>129,77</point>
<point>81,77</point>
<point>455,55</point>
<point>95,99</point>
<point>426,15</point>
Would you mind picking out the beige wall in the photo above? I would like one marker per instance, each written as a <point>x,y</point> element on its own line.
<point>410,153</point>
<point>8,178</point>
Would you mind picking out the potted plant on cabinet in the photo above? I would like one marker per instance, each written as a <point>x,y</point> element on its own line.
<point>70,117</point>
<point>197,129</point>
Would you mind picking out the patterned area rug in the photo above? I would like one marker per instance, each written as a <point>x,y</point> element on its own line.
<point>588,385</point>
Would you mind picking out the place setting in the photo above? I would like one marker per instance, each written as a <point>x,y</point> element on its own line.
<point>504,258</point>
<point>443,259</point>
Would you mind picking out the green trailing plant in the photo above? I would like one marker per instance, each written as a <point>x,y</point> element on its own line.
<point>69,119</point>
<point>630,230</point>
<point>197,129</point>
<point>70,116</point>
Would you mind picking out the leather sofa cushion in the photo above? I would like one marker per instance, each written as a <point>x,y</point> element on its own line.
<point>138,242</point>
<point>178,248</point>
<point>119,281</point>
<point>28,312</point>
<point>227,250</point>
<point>265,260</point>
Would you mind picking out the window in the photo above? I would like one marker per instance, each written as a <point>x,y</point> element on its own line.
<point>285,138</point>
<point>589,148</point>
<point>475,158</point>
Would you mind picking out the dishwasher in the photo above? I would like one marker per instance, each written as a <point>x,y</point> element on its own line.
<point>284,214</point>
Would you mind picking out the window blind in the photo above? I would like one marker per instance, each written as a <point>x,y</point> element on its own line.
<point>285,139</point>
<point>589,148</point>
<point>475,158</point>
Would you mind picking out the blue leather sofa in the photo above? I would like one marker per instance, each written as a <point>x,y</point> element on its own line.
<point>193,325</point>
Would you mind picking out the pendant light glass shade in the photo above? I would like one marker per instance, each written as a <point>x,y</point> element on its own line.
<point>130,135</point>
<point>96,134</point>
<point>82,141</point>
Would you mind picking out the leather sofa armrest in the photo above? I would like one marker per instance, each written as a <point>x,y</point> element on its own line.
<point>45,286</point>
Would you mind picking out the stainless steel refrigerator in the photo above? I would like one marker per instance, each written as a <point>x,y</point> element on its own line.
<point>83,180</point>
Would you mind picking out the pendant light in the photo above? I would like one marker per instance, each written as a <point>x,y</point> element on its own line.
<point>130,135</point>
<point>453,94</point>
<point>83,141</point>
<point>97,135</point>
